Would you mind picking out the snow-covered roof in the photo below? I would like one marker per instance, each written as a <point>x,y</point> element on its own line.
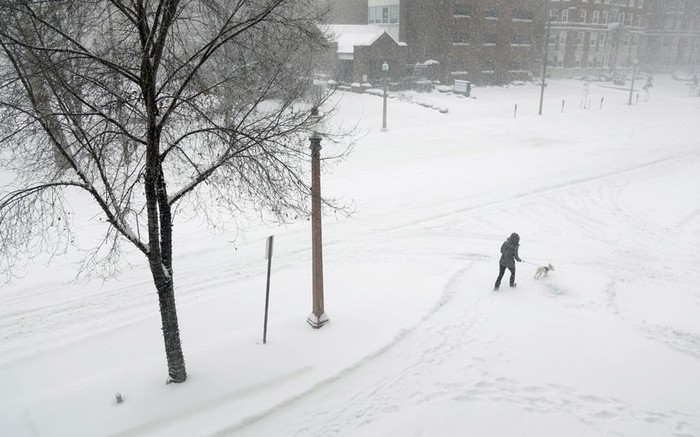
<point>349,36</point>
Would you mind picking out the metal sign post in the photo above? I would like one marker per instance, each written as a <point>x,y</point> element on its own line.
<point>268,256</point>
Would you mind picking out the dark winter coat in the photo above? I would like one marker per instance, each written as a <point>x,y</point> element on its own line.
<point>509,251</point>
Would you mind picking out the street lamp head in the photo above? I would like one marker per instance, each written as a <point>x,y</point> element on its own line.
<point>385,66</point>
<point>315,135</point>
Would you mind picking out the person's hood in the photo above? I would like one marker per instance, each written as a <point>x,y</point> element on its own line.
<point>514,238</point>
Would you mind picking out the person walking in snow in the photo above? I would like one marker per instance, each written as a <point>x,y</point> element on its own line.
<point>509,254</point>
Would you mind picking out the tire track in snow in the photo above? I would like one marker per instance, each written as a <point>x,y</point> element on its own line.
<point>521,196</point>
<point>601,414</point>
<point>429,355</point>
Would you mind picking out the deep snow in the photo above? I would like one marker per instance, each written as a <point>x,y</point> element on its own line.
<point>418,345</point>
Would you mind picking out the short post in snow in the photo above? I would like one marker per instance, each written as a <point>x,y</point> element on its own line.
<point>318,317</point>
<point>268,256</point>
<point>562,105</point>
<point>515,114</point>
<point>601,102</point>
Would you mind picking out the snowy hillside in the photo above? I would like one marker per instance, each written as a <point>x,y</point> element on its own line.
<point>418,344</point>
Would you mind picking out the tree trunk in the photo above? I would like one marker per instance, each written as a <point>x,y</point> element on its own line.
<point>171,330</point>
<point>160,257</point>
<point>160,262</point>
<point>166,293</point>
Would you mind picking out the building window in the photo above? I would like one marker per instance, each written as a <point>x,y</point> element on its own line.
<point>565,16</point>
<point>490,39</point>
<point>596,17</point>
<point>593,39</point>
<point>491,14</point>
<point>383,15</point>
<point>582,16</point>
<point>462,10</point>
<point>579,38</point>
<point>605,17</point>
<point>488,67</point>
<point>460,38</point>
<point>522,14</point>
<point>516,67</point>
<point>520,40</point>
<point>459,67</point>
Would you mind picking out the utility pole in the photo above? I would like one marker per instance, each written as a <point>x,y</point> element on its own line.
<point>385,69</point>
<point>634,74</point>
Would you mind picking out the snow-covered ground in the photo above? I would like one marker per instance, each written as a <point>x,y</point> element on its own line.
<point>418,344</point>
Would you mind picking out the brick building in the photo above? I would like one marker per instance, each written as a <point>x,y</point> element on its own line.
<point>484,41</point>
<point>360,51</point>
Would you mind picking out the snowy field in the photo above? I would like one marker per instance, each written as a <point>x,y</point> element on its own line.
<point>418,344</point>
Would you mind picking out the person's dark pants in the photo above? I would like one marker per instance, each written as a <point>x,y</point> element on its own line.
<point>501,272</point>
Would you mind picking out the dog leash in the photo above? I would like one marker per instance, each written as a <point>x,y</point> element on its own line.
<point>528,262</point>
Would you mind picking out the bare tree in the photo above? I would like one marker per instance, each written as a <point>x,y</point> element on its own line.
<point>138,103</point>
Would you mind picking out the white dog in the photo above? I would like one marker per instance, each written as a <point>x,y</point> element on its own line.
<point>543,271</point>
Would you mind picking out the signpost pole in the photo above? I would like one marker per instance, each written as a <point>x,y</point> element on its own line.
<point>268,255</point>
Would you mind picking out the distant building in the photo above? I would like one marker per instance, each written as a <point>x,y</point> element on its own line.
<point>672,35</point>
<point>499,41</point>
<point>593,37</point>
<point>484,41</point>
<point>360,52</point>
